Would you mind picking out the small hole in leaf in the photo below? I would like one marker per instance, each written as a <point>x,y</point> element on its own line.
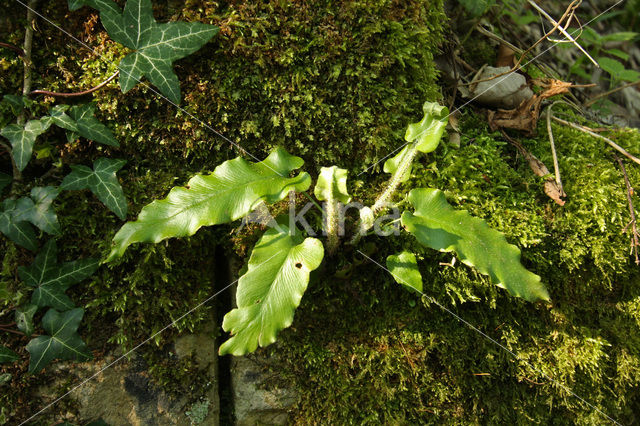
<point>298,265</point>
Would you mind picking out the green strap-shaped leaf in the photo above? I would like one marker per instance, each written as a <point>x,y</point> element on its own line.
<point>80,121</point>
<point>7,355</point>
<point>5,180</point>
<point>20,232</point>
<point>52,280</point>
<point>437,225</point>
<point>156,46</point>
<point>271,289</point>
<point>102,181</point>
<point>38,210</point>
<point>62,342</point>
<point>332,185</point>
<point>404,269</point>
<point>24,318</point>
<point>423,136</point>
<point>232,191</point>
<point>23,138</point>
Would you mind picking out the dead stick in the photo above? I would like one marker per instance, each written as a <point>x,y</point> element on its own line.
<point>69,95</point>
<point>589,131</point>
<point>634,237</point>
<point>609,92</point>
<point>16,49</point>
<point>556,166</point>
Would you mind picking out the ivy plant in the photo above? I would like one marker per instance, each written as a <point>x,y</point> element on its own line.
<point>155,46</point>
<point>278,269</point>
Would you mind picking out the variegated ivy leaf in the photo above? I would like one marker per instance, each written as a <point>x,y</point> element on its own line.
<point>404,269</point>
<point>80,121</point>
<point>233,190</point>
<point>7,355</point>
<point>437,225</point>
<point>38,210</point>
<point>62,341</point>
<point>24,318</point>
<point>271,289</point>
<point>5,180</point>
<point>23,138</point>
<point>102,181</point>
<point>16,103</point>
<point>52,280</point>
<point>156,46</point>
<point>20,232</point>
<point>423,136</point>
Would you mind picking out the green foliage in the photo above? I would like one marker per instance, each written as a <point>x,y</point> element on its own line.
<point>332,185</point>
<point>51,280</point>
<point>423,136</point>
<point>23,137</point>
<point>271,289</point>
<point>229,193</point>
<point>5,180</point>
<point>81,121</point>
<point>156,46</point>
<point>20,232</point>
<point>24,318</point>
<point>102,181</point>
<point>436,225</point>
<point>7,355</point>
<point>38,210</point>
<point>62,341</point>
<point>404,269</point>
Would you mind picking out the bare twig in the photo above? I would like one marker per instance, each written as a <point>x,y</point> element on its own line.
<point>556,166</point>
<point>562,30</point>
<point>589,131</point>
<point>16,49</point>
<point>567,14</point>
<point>69,95</point>
<point>609,92</point>
<point>635,238</point>
<point>28,44</point>
<point>539,169</point>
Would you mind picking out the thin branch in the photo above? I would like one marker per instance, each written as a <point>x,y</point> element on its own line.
<point>589,131</point>
<point>562,30</point>
<point>609,92</point>
<point>16,49</point>
<point>635,241</point>
<point>556,166</point>
<point>567,14</point>
<point>69,95</point>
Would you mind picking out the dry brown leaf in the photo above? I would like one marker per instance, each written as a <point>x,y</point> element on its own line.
<point>526,116</point>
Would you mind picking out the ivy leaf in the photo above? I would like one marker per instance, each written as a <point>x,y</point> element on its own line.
<point>232,191</point>
<point>332,185</point>
<point>80,121</point>
<point>62,342</point>
<point>423,136</point>
<point>52,280</point>
<point>24,318</point>
<point>5,180</point>
<point>156,46</point>
<point>7,355</point>
<point>16,103</point>
<point>404,269</point>
<point>271,289</point>
<point>23,138</point>
<point>38,211</point>
<point>102,181</point>
<point>19,232</point>
<point>437,225</point>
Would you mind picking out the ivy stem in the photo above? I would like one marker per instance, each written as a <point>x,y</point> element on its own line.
<point>74,94</point>
<point>16,49</point>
